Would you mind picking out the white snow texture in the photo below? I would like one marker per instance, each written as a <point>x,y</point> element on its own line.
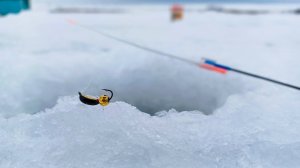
<point>180,116</point>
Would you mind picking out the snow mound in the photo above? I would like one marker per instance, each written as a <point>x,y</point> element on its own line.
<point>75,135</point>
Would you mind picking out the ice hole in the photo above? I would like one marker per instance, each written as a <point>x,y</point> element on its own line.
<point>152,85</point>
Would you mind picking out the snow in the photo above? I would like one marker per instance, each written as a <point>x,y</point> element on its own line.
<point>196,118</point>
<point>74,135</point>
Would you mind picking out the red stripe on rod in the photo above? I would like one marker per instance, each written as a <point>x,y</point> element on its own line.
<point>213,68</point>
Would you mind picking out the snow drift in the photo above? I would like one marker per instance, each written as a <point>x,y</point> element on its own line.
<point>237,135</point>
<point>251,123</point>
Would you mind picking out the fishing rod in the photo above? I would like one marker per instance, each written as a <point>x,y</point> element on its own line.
<point>205,63</point>
<point>214,66</point>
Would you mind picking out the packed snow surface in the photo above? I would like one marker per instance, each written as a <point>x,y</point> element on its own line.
<point>166,113</point>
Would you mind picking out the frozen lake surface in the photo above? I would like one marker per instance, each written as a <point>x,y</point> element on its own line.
<point>166,113</point>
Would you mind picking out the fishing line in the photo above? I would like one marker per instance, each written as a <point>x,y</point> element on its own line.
<point>88,85</point>
<point>133,44</point>
<point>205,63</point>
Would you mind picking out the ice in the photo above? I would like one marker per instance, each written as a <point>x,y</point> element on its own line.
<point>237,135</point>
<point>165,113</point>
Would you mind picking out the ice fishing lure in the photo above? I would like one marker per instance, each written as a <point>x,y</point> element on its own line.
<point>103,100</point>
